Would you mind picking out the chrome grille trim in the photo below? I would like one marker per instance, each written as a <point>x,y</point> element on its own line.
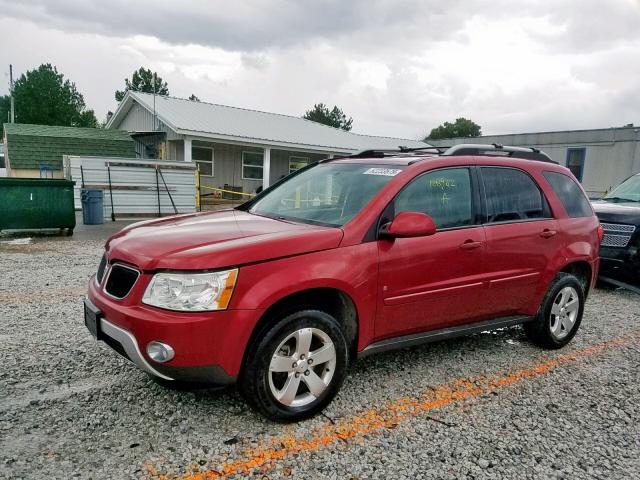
<point>618,227</point>
<point>102,270</point>
<point>610,240</point>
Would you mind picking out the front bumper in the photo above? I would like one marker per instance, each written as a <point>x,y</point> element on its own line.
<point>209,346</point>
<point>127,345</point>
<point>622,263</point>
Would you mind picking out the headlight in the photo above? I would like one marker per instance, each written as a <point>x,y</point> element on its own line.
<point>193,292</point>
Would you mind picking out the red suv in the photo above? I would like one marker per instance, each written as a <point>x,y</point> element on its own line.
<point>344,258</point>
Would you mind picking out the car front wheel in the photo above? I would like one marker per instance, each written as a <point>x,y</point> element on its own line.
<point>296,368</point>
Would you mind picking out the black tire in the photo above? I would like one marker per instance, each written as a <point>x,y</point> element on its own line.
<point>540,330</point>
<point>254,381</point>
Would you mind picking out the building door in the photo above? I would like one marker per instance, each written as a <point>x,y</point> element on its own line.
<point>575,161</point>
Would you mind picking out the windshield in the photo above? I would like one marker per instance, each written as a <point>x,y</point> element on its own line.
<point>327,194</point>
<point>629,190</point>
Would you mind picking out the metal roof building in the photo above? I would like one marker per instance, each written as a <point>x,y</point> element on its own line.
<point>239,148</point>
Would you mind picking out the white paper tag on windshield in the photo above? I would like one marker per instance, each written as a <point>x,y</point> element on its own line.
<point>387,172</point>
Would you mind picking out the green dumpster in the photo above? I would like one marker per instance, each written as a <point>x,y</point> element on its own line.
<point>34,203</point>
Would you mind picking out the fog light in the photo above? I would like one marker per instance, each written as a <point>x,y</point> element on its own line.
<point>160,352</point>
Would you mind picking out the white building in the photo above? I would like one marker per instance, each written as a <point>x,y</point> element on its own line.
<point>236,149</point>
<point>600,158</point>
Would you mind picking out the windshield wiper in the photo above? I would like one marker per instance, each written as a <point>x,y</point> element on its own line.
<point>266,215</point>
<point>620,199</point>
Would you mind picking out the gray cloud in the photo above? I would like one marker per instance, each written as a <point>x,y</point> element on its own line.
<point>260,24</point>
<point>231,25</point>
<point>374,24</point>
<point>398,67</point>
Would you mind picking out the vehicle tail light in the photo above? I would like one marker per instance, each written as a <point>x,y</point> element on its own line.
<point>600,233</point>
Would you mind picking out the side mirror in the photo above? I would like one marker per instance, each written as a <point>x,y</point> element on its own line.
<point>409,224</point>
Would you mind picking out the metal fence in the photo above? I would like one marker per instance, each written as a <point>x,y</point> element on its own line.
<point>134,188</point>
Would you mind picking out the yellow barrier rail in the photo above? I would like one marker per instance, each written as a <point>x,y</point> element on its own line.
<point>227,191</point>
<point>199,188</point>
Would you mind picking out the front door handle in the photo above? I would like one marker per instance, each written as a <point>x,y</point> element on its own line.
<point>546,233</point>
<point>470,245</point>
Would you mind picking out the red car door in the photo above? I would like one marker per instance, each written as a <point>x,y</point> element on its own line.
<point>521,238</point>
<point>433,281</point>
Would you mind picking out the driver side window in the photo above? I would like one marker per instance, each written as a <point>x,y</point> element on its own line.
<point>443,194</point>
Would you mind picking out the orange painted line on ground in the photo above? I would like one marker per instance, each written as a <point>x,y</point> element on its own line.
<point>390,415</point>
<point>50,295</point>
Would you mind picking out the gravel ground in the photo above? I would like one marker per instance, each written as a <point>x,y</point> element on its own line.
<point>487,406</point>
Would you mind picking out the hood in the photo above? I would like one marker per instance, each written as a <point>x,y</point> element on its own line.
<point>617,212</point>
<point>215,240</point>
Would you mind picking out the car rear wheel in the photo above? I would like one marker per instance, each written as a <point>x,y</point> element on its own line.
<point>560,313</point>
<point>296,368</point>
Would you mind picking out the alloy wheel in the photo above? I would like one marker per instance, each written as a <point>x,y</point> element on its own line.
<point>564,312</point>
<point>302,367</point>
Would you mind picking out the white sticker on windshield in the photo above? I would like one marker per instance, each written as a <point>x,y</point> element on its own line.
<point>387,172</point>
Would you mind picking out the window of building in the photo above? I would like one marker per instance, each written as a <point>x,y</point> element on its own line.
<point>203,156</point>
<point>512,195</point>
<point>570,194</point>
<point>252,165</point>
<point>444,194</point>
<point>575,161</point>
<point>296,163</point>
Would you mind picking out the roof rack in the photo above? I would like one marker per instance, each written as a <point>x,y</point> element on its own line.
<point>498,150</point>
<point>477,149</point>
<point>440,149</point>
<point>376,153</point>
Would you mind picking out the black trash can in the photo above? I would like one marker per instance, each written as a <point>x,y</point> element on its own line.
<point>92,206</point>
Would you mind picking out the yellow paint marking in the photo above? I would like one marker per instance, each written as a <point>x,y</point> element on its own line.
<point>390,415</point>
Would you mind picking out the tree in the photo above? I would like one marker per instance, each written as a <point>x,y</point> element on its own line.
<point>43,96</point>
<point>335,117</point>
<point>462,127</point>
<point>104,123</point>
<point>5,109</point>
<point>143,80</point>
<point>193,98</point>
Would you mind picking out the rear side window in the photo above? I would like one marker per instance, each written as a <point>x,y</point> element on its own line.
<point>443,194</point>
<point>512,195</point>
<point>570,194</point>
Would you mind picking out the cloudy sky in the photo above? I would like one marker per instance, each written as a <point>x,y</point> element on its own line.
<point>398,67</point>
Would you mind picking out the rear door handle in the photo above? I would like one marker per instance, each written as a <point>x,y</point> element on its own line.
<point>470,245</point>
<point>546,233</point>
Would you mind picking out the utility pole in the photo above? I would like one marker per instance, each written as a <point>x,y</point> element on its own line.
<point>13,111</point>
<point>153,87</point>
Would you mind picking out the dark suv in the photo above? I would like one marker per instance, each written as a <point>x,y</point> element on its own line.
<point>345,258</point>
<point>619,214</point>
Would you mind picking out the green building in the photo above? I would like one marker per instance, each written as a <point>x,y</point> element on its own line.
<point>37,150</point>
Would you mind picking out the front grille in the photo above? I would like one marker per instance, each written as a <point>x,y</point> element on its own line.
<point>101,268</point>
<point>615,240</point>
<point>120,280</point>
<point>618,227</point>
<point>612,234</point>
